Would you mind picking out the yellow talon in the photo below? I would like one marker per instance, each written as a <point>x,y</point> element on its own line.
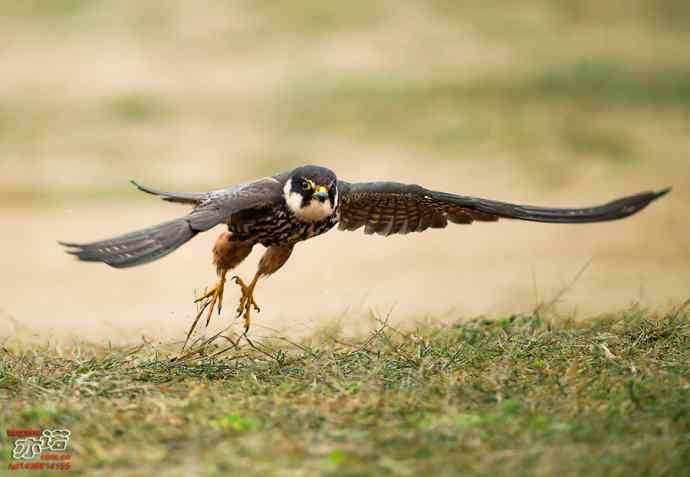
<point>246,301</point>
<point>213,297</point>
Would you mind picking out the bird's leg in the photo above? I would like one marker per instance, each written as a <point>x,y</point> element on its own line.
<point>247,300</point>
<point>274,258</point>
<point>213,297</point>
<point>227,254</point>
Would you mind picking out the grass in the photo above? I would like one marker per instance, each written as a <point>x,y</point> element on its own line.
<point>528,394</point>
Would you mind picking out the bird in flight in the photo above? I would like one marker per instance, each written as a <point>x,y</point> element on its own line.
<point>280,211</point>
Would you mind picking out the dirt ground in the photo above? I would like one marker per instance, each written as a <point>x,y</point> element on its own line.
<point>463,271</point>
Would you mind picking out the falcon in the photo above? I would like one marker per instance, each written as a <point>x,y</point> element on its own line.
<point>280,211</point>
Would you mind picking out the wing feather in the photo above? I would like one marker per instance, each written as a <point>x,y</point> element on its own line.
<point>387,208</point>
<point>211,209</point>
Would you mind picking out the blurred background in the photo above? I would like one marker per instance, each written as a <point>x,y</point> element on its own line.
<point>542,102</point>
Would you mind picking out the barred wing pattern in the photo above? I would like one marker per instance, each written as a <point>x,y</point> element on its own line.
<point>387,208</point>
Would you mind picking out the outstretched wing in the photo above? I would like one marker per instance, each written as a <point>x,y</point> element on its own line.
<point>180,197</point>
<point>212,208</point>
<point>387,208</point>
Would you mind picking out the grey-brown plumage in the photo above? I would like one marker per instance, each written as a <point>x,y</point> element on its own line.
<point>210,209</point>
<point>387,208</point>
<point>280,211</point>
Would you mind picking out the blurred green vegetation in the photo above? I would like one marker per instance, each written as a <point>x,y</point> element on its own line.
<point>136,108</point>
<point>420,111</point>
<point>245,88</point>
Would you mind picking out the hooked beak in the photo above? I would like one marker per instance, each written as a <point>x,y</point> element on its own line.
<point>321,193</point>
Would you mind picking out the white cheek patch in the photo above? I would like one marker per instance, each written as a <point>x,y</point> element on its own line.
<point>294,201</point>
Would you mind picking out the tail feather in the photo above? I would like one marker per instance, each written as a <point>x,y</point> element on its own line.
<point>136,248</point>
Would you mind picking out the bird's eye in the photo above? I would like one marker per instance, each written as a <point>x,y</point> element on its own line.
<point>306,185</point>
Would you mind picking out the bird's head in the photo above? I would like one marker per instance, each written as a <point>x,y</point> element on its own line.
<point>311,193</point>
